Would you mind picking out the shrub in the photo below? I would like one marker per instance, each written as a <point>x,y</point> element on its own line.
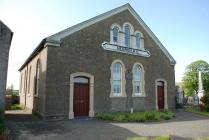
<point>205,101</point>
<point>150,115</point>
<point>202,107</point>
<point>136,116</point>
<point>119,116</point>
<point>16,107</point>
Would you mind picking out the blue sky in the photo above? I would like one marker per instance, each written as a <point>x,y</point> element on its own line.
<point>181,25</point>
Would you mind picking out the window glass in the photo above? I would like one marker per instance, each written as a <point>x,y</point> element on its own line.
<point>115,34</point>
<point>127,36</point>
<point>138,36</point>
<point>81,80</point>
<point>137,79</point>
<point>116,77</point>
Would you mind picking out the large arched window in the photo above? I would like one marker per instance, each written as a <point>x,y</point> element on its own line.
<point>115,33</point>
<point>37,78</point>
<point>117,79</point>
<point>138,37</point>
<point>127,36</point>
<point>138,80</point>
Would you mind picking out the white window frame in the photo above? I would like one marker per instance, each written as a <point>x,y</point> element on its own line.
<point>117,80</point>
<point>119,34</point>
<point>141,40</point>
<point>142,81</point>
<point>123,81</point>
<point>131,34</point>
<point>127,38</point>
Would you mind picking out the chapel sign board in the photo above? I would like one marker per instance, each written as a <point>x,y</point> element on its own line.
<point>127,50</point>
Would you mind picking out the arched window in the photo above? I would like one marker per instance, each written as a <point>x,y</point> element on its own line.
<point>137,76</point>
<point>37,78</point>
<point>117,78</point>
<point>115,34</point>
<point>138,37</point>
<point>29,75</point>
<point>127,35</point>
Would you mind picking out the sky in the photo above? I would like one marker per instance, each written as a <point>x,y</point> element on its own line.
<point>181,25</point>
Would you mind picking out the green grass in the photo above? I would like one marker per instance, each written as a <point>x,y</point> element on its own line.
<point>16,107</point>
<point>151,115</point>
<point>205,138</point>
<point>160,138</point>
<point>151,138</point>
<point>196,110</point>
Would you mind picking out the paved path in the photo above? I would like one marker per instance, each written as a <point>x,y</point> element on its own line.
<point>184,126</point>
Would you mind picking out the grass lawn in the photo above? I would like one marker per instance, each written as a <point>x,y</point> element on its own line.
<point>160,138</point>
<point>196,110</point>
<point>151,138</point>
<point>151,115</point>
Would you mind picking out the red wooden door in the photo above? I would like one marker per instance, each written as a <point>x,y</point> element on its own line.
<point>160,90</point>
<point>81,99</point>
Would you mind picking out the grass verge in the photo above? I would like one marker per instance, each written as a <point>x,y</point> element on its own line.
<point>161,138</point>
<point>196,110</point>
<point>151,115</point>
<point>204,138</point>
<point>151,138</point>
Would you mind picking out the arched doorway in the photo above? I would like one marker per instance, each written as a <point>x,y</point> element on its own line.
<point>161,94</point>
<point>81,96</point>
<point>81,99</point>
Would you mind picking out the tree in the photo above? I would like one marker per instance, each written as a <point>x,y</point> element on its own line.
<point>190,79</point>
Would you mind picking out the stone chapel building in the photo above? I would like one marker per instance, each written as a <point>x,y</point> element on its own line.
<point>112,62</point>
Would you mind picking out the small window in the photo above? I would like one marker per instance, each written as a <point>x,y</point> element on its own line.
<point>138,37</point>
<point>115,31</point>
<point>127,36</point>
<point>117,78</point>
<point>137,79</point>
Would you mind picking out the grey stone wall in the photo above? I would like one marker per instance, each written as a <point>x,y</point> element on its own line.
<point>5,42</point>
<point>27,88</point>
<point>82,52</point>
